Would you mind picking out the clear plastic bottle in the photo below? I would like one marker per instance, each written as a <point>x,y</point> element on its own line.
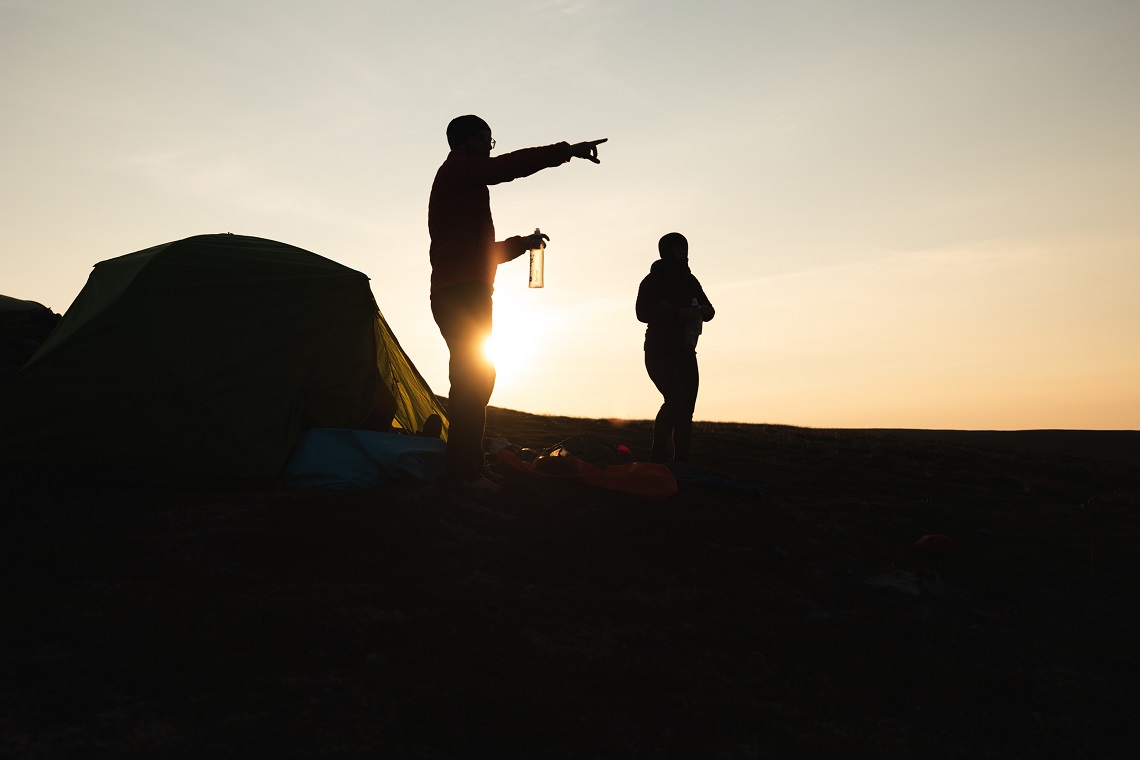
<point>693,329</point>
<point>536,256</point>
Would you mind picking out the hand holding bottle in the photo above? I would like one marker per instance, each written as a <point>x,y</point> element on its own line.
<point>536,240</point>
<point>689,313</point>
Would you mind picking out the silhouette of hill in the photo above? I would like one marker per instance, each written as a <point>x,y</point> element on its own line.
<point>796,617</point>
<point>1121,445</point>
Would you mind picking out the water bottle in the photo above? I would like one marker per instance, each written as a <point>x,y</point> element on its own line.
<point>693,329</point>
<point>536,255</point>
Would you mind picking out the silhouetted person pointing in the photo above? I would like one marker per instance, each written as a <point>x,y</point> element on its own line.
<point>464,258</point>
<point>673,304</point>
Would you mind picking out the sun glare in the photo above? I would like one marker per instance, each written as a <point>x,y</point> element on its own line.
<point>507,352</point>
<point>513,344</point>
<point>491,350</point>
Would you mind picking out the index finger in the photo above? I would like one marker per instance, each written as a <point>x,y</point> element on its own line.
<point>598,142</point>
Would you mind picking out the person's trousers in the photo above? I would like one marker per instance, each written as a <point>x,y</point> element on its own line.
<point>674,372</point>
<point>463,314</point>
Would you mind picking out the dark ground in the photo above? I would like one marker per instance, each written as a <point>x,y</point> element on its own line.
<point>561,621</point>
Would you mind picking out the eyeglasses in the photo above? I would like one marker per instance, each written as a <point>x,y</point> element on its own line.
<point>492,143</point>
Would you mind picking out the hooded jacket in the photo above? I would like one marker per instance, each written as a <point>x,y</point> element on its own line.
<point>463,247</point>
<point>669,287</point>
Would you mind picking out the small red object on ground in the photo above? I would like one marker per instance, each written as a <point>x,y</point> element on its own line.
<point>936,545</point>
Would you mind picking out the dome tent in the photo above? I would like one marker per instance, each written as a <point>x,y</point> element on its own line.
<point>209,355</point>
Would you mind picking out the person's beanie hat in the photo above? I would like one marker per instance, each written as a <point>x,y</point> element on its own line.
<point>666,243</point>
<point>462,127</point>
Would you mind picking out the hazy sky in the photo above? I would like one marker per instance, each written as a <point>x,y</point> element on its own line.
<point>907,213</point>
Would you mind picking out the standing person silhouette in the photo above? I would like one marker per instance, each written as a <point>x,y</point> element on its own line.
<point>672,303</point>
<point>464,259</point>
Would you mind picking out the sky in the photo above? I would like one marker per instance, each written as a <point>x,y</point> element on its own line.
<point>907,213</point>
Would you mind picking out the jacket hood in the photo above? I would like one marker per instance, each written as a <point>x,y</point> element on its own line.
<point>670,268</point>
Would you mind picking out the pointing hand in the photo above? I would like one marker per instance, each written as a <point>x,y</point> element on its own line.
<point>587,150</point>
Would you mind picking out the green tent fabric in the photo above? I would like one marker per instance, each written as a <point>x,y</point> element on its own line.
<point>209,355</point>
<point>24,325</point>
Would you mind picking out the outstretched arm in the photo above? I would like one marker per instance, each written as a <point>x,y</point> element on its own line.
<point>488,170</point>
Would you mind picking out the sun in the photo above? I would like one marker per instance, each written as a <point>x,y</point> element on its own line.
<point>503,350</point>
<point>514,340</point>
<point>491,350</point>
<point>526,331</point>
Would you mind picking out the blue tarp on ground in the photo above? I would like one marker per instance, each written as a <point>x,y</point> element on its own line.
<point>360,459</point>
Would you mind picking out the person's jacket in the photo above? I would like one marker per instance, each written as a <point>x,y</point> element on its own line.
<point>463,247</point>
<point>668,289</point>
